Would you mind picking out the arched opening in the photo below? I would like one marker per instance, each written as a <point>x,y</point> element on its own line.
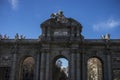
<point>94,68</point>
<point>60,69</point>
<point>27,69</point>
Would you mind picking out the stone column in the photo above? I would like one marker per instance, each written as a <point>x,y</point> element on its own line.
<point>13,69</point>
<point>108,61</point>
<point>84,67</point>
<point>42,67</point>
<point>72,70</point>
<point>78,67</point>
<point>109,66</point>
<point>37,66</point>
<point>47,67</point>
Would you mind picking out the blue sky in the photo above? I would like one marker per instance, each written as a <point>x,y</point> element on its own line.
<point>97,17</point>
<point>64,61</point>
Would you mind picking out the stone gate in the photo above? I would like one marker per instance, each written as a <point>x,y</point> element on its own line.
<point>34,59</point>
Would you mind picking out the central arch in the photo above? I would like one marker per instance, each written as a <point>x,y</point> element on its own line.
<point>60,68</point>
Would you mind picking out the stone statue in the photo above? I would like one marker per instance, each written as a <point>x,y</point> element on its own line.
<point>59,17</point>
<point>16,36</point>
<point>22,37</point>
<point>103,36</point>
<point>6,37</point>
<point>53,15</point>
<point>107,36</point>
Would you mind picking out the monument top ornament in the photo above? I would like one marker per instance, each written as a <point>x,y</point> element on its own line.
<point>59,20</point>
<point>59,17</point>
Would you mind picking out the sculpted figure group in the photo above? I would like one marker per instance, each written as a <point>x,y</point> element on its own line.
<point>59,17</point>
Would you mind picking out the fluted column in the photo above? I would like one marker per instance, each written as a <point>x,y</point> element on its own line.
<point>47,67</point>
<point>14,50</point>
<point>37,66</point>
<point>78,66</point>
<point>109,66</point>
<point>72,70</point>
<point>84,65</point>
<point>13,67</point>
<point>42,67</point>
